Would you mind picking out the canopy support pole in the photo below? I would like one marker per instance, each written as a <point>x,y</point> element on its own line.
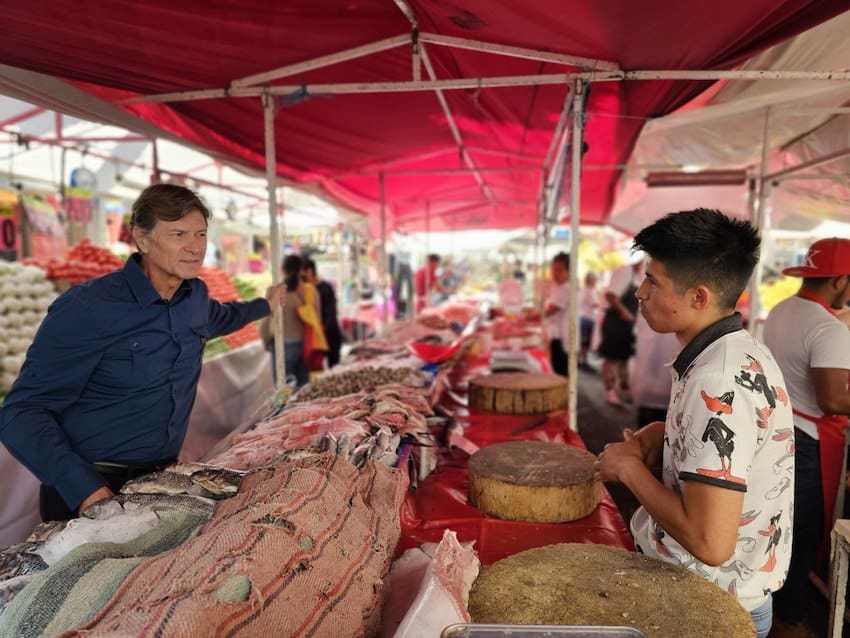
<point>761,222</point>
<point>382,266</point>
<point>575,215</point>
<point>427,253</point>
<point>274,229</point>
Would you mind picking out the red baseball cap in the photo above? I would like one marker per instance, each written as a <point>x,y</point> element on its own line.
<point>826,258</point>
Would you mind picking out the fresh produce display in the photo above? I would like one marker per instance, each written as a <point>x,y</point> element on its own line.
<point>246,289</point>
<point>25,295</point>
<point>222,288</point>
<point>82,262</point>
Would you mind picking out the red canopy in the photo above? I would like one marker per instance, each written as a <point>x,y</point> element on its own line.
<point>341,142</point>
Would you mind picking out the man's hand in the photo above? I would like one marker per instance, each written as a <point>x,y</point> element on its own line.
<point>98,495</point>
<point>276,296</point>
<point>617,459</point>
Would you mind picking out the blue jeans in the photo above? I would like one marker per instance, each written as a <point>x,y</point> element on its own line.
<point>763,618</point>
<point>293,359</point>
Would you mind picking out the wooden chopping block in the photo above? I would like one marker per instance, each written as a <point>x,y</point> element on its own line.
<point>518,392</point>
<point>586,584</point>
<point>533,481</point>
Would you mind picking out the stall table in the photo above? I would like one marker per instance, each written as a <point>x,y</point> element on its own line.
<point>440,501</point>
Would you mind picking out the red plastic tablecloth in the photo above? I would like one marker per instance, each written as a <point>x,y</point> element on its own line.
<point>440,501</point>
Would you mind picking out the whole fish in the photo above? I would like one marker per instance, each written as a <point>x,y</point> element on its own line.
<point>219,482</point>
<point>164,482</point>
<point>122,503</point>
<point>20,560</point>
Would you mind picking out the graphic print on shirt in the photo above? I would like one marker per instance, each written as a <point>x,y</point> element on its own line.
<point>752,378</point>
<point>721,435</point>
<point>774,533</point>
<point>685,443</point>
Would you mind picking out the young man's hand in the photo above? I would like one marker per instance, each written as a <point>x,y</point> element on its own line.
<point>617,459</point>
<point>98,495</point>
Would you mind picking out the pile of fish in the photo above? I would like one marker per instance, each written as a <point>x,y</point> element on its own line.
<point>132,525</point>
<point>358,427</point>
<point>302,549</point>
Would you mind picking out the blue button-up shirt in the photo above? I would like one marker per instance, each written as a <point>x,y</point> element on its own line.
<point>111,376</point>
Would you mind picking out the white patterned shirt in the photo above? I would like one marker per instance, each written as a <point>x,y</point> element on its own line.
<point>729,424</point>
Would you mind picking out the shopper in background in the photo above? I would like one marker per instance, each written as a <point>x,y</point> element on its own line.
<point>617,345</point>
<point>724,505</point>
<point>293,325</point>
<point>556,312</point>
<point>109,382</point>
<point>587,305</point>
<point>426,282</point>
<point>650,379</point>
<point>330,322</point>
<point>812,347</point>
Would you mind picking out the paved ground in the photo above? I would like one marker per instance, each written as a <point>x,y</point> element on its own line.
<point>600,423</point>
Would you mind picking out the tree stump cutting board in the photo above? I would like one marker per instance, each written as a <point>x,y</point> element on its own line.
<point>586,584</point>
<point>518,392</point>
<point>533,481</point>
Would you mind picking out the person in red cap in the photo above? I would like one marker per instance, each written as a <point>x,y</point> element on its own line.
<point>812,347</point>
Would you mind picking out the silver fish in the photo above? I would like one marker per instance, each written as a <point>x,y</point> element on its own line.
<point>218,481</point>
<point>121,503</point>
<point>343,445</point>
<point>164,483</point>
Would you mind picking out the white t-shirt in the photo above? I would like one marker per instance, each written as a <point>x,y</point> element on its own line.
<point>587,301</point>
<point>558,322</point>
<point>649,382</point>
<point>802,334</point>
<point>729,424</point>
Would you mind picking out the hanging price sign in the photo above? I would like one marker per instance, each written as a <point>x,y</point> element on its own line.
<point>10,236</point>
<point>78,204</point>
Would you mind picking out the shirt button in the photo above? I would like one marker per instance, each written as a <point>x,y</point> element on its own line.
<point>135,344</point>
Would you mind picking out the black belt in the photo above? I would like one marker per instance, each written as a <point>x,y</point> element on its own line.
<point>130,470</point>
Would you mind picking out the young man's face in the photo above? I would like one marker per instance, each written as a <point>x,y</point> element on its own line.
<point>664,309</point>
<point>560,273</point>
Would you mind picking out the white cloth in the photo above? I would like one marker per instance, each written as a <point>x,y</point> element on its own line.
<point>802,335</point>
<point>557,324</point>
<point>587,301</point>
<point>649,382</point>
<point>756,445</point>
<point>18,500</point>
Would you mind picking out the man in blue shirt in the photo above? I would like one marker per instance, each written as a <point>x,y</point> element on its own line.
<point>109,381</point>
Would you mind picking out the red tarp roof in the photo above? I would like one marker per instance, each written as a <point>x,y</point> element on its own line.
<point>126,48</point>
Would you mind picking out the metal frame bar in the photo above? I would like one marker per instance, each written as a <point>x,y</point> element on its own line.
<point>518,52</point>
<point>485,82</point>
<point>787,173</point>
<point>274,229</point>
<point>575,215</point>
<point>429,68</point>
<point>322,61</point>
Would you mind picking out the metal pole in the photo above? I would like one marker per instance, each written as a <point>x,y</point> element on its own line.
<point>575,214</point>
<point>274,229</point>
<point>382,269</point>
<point>427,253</point>
<point>761,221</point>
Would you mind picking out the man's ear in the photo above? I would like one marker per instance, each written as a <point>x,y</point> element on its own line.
<point>701,296</point>
<point>140,239</point>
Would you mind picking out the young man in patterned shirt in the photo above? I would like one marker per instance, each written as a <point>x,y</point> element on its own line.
<point>723,508</point>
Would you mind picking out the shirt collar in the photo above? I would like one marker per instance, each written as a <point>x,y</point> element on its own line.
<point>805,294</point>
<point>141,287</point>
<point>709,335</point>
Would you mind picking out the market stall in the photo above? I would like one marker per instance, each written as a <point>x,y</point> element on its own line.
<point>381,407</point>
